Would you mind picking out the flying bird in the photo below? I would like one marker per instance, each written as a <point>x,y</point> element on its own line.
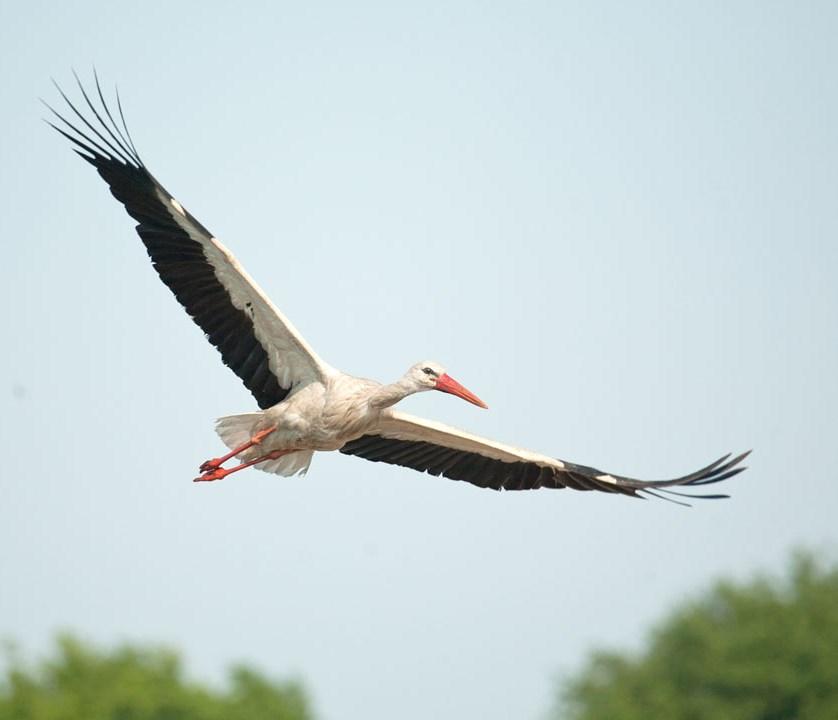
<point>305,404</point>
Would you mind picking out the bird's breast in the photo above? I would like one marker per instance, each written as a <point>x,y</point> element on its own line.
<point>325,417</point>
<point>346,415</point>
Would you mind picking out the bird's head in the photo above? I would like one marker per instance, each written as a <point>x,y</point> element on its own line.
<point>429,375</point>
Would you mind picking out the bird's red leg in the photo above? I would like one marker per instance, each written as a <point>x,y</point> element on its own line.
<point>216,463</point>
<point>219,473</point>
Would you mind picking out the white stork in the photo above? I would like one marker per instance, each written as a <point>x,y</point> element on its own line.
<point>307,405</point>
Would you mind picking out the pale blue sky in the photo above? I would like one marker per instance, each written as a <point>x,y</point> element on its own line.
<point>616,225</point>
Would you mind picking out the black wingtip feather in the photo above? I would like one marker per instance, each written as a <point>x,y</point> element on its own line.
<point>112,152</point>
<point>120,145</point>
<point>125,126</point>
<point>722,469</point>
<point>667,499</point>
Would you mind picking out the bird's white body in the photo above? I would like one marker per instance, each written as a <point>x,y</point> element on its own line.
<point>318,416</point>
<point>307,405</point>
<point>321,415</point>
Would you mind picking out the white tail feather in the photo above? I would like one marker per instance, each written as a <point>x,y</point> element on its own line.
<point>236,430</point>
<point>287,465</point>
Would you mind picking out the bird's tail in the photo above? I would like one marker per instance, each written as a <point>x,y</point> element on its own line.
<point>236,430</point>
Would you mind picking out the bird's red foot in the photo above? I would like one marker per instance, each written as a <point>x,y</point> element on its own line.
<point>216,473</point>
<point>215,463</point>
<point>209,465</point>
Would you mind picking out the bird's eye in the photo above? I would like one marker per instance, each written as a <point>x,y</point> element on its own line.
<point>428,371</point>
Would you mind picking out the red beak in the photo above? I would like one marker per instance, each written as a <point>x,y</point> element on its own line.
<point>447,384</point>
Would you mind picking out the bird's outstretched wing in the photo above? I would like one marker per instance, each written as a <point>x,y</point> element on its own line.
<point>438,449</point>
<point>255,340</point>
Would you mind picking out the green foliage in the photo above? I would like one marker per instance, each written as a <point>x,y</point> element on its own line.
<point>766,650</point>
<point>83,683</point>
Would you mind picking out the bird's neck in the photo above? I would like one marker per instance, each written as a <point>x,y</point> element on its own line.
<point>388,395</point>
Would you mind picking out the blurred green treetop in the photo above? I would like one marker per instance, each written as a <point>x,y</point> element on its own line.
<point>766,650</point>
<point>131,683</point>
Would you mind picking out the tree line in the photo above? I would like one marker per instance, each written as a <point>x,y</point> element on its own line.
<point>766,649</point>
